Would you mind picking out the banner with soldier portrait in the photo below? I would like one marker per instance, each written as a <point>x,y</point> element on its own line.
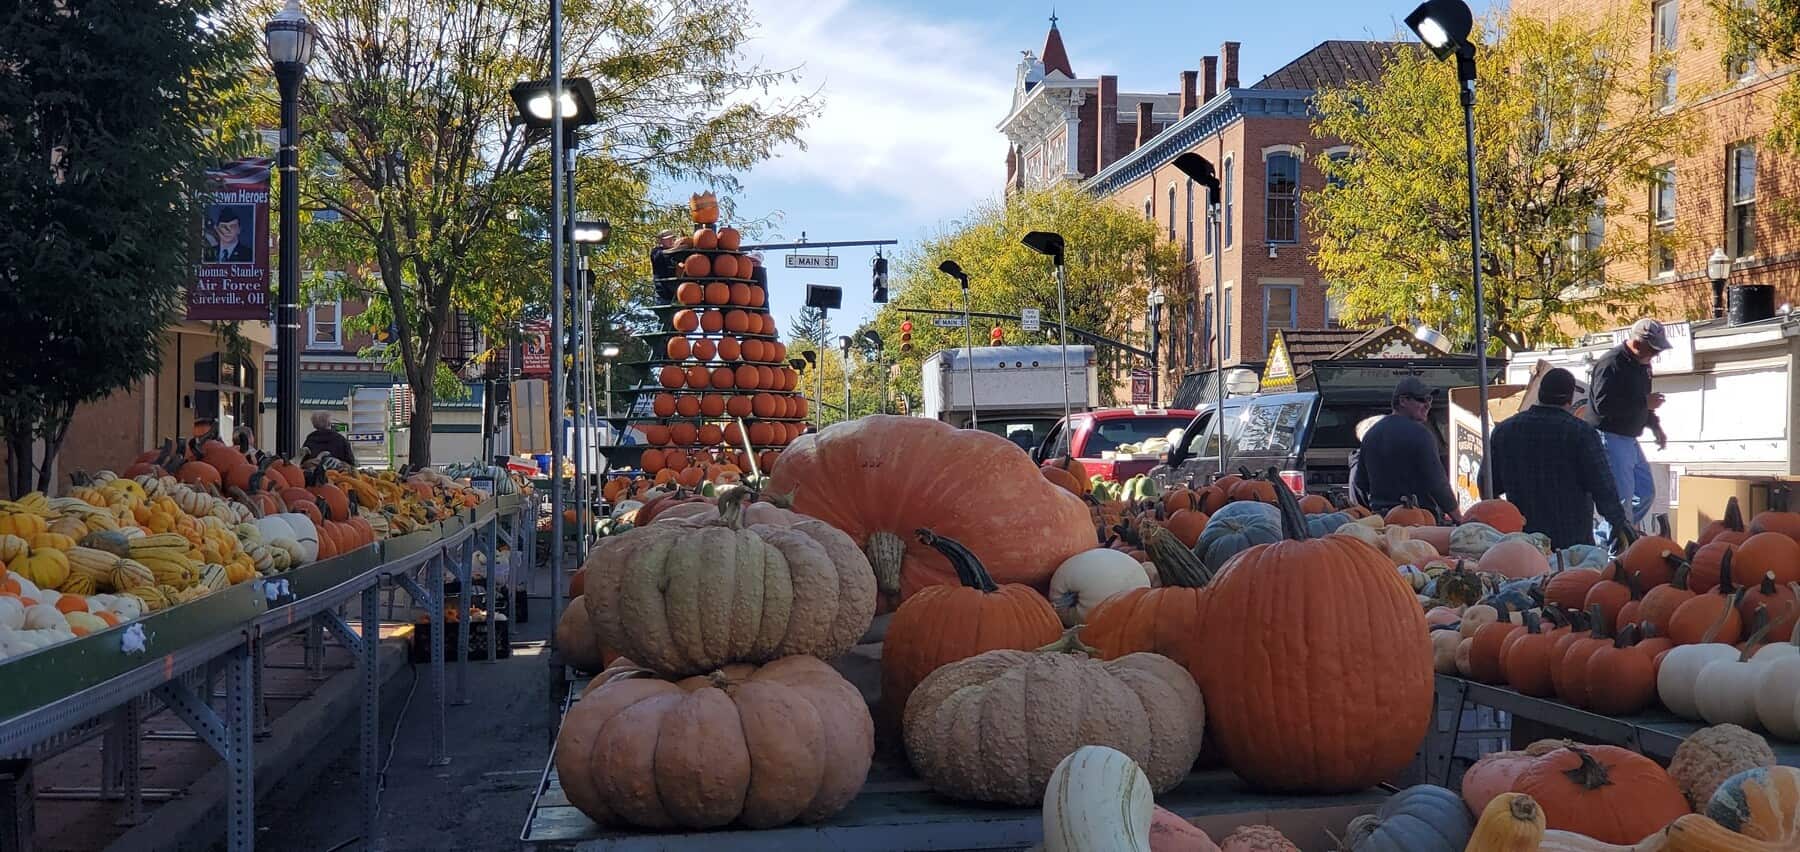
<point>231,282</point>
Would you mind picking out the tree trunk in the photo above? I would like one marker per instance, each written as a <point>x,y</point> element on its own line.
<point>418,438</point>
<point>56,428</point>
<point>18,459</point>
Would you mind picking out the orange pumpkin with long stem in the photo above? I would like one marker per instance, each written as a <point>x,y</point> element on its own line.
<point>1568,673</point>
<point>1650,561</point>
<point>1658,605</point>
<point>1714,611</point>
<point>1409,514</point>
<point>1621,680</point>
<point>1706,563</point>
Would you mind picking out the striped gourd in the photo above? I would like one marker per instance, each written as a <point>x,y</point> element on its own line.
<point>95,565</point>
<point>130,574</point>
<point>213,577</point>
<point>151,597</point>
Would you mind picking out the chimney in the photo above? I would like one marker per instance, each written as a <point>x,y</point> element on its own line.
<point>1209,69</point>
<point>1229,51</point>
<point>1146,126</point>
<point>1187,92</point>
<point>1107,123</point>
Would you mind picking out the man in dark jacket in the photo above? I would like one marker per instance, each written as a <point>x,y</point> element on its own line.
<point>1551,466</point>
<point>325,439</point>
<point>662,267</point>
<point>1621,405</point>
<point>1400,457</point>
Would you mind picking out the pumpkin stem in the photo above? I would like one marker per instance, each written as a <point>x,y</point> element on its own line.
<point>1596,622</point>
<point>731,507</point>
<point>1175,563</point>
<point>1725,585</point>
<point>1591,774</point>
<point>1531,621</point>
<point>239,495</point>
<point>969,569</point>
<point>1682,568</point>
<point>1755,641</point>
<point>1525,808</point>
<point>1628,636</point>
<point>1293,521</point>
<point>1734,515</point>
<point>1712,631</point>
<point>1070,643</point>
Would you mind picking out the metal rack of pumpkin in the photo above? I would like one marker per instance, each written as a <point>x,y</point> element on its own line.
<point>722,384</point>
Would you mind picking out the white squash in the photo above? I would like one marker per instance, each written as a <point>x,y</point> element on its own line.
<point>1097,800</point>
<point>1089,577</point>
<point>1778,693</point>
<point>1369,535</point>
<point>303,532</point>
<point>1406,550</point>
<point>44,617</point>
<point>1677,682</point>
<point>12,613</point>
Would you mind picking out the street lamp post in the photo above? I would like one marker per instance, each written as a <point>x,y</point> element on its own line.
<point>1200,170</point>
<point>873,339</point>
<point>844,346</point>
<point>289,39</point>
<point>1154,317</point>
<point>952,269</point>
<point>607,354</point>
<point>1718,268</point>
<point>1444,26</point>
<point>1051,243</point>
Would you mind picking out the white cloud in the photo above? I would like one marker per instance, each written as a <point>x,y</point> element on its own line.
<point>910,104</point>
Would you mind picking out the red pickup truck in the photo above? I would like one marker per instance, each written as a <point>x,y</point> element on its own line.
<point>1093,436</point>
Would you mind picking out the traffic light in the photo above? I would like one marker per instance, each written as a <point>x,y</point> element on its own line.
<point>906,336</point>
<point>881,280</point>
<point>995,336</point>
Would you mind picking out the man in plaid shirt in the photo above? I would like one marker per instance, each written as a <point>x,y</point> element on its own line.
<point>1551,466</point>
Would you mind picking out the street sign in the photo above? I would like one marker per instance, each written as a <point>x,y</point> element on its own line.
<point>1140,387</point>
<point>1028,319</point>
<point>812,261</point>
<point>947,322</point>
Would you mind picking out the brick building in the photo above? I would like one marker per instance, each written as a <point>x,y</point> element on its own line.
<point>1724,195</point>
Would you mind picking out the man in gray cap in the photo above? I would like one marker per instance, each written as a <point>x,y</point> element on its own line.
<point>662,266</point>
<point>1400,457</point>
<point>1622,405</point>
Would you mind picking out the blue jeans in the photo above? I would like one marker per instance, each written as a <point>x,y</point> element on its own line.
<point>1631,476</point>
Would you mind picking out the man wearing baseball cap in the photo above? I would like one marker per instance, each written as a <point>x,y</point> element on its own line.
<point>1550,465</point>
<point>662,266</point>
<point>1621,405</point>
<point>1400,457</point>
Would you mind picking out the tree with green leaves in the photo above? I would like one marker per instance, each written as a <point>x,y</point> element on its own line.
<point>1567,127</point>
<point>105,142</point>
<point>811,325</point>
<point>1768,32</point>
<point>440,196</point>
<point>1113,257</point>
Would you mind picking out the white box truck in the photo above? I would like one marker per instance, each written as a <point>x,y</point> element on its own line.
<point>1018,390</point>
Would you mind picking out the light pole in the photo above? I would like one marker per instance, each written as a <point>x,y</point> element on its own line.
<point>1200,170</point>
<point>1718,268</point>
<point>952,269</point>
<point>1444,26</point>
<point>1154,315</point>
<point>1051,243</point>
<point>289,39</point>
<point>607,354</point>
<point>844,346</point>
<point>873,340</point>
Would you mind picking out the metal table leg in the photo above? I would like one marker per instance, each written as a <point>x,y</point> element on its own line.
<point>435,605</point>
<point>120,762</point>
<point>315,652</point>
<point>465,625</point>
<point>371,714</point>
<point>489,537</point>
<point>240,725</point>
<point>260,703</point>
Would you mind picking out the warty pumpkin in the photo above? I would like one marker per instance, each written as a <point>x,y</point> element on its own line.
<point>1605,792</point>
<point>992,727</point>
<point>881,477</point>
<point>761,747</point>
<point>684,599</point>
<point>1287,722</point>
<point>1707,758</point>
<point>1257,838</point>
<point>943,624</point>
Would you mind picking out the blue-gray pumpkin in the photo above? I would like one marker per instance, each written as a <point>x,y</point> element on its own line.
<point>1235,528</point>
<point>1417,819</point>
<point>1326,523</point>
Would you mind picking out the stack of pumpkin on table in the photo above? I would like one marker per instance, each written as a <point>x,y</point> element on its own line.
<point>118,547</point>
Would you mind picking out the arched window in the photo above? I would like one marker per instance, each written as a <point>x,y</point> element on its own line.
<point>1190,223</point>
<point>1171,212</point>
<point>1281,197</point>
<point>1230,182</point>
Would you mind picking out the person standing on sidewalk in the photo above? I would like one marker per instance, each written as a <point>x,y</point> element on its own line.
<point>1621,405</point>
<point>1550,465</point>
<point>1401,458</point>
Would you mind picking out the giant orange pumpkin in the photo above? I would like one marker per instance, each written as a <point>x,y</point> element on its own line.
<point>1277,643</point>
<point>945,623</point>
<point>870,478</point>
<point>1498,514</point>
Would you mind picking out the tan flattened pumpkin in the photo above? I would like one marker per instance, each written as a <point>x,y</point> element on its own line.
<point>760,747</point>
<point>993,727</point>
<point>685,598</point>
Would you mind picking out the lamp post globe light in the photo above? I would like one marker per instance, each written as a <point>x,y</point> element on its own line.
<point>1718,269</point>
<point>289,38</point>
<point>1445,26</point>
<point>955,270</point>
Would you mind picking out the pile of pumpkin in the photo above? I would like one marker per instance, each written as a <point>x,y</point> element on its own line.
<point>690,469</point>
<point>1555,796</point>
<point>1659,624</point>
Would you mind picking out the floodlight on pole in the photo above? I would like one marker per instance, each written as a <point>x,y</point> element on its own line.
<point>1051,243</point>
<point>1200,170</point>
<point>533,101</point>
<point>593,232</point>
<point>954,270</point>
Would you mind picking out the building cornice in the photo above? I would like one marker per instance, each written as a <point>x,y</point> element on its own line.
<point>1215,115</point>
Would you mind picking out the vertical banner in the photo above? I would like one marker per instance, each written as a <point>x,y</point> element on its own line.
<point>1140,387</point>
<point>536,359</point>
<point>231,281</point>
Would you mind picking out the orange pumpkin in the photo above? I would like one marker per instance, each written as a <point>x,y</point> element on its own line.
<point>689,293</point>
<point>761,433</point>
<point>704,349</point>
<point>683,434</point>
<point>712,321</point>
<point>753,350</point>
<point>654,434</point>
<point>1786,523</point>
<point>672,377</point>
<point>739,405</point>
<point>1650,561</point>
<point>1157,620</point>
<point>757,296</point>
<point>696,266</point>
<point>729,239</point>
<point>198,473</point>
<point>1496,513</point>
<point>1409,514</point>
<point>1608,793</point>
<point>1768,553</point>
<point>663,405</point>
<point>718,292</point>
<point>745,376</point>
<point>740,294</point>
<point>705,239</point>
<point>1730,527</point>
<point>725,266</point>
<point>687,406</point>
<point>685,320</point>
<point>730,349</point>
<point>711,434</point>
<point>712,405</point>
<point>678,348</point>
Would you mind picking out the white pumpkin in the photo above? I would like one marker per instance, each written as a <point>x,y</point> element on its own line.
<point>1443,650</point>
<point>1098,800</point>
<point>1476,616</point>
<point>1778,690</point>
<point>1725,690</point>
<point>1089,577</point>
<point>303,531</point>
<point>44,617</point>
<point>12,613</point>
<point>1369,535</point>
<point>1678,678</point>
<point>271,527</point>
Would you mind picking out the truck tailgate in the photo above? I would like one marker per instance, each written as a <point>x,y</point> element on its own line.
<point>1119,470</point>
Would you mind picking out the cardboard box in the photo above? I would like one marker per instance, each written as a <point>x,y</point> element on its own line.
<point>1701,499</point>
<point>1465,433</point>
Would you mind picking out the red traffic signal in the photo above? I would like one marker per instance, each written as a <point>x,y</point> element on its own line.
<point>996,335</point>
<point>906,327</point>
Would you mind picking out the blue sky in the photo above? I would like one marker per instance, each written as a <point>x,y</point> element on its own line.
<point>913,91</point>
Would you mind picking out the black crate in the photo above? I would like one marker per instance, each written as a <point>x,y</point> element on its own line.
<point>478,639</point>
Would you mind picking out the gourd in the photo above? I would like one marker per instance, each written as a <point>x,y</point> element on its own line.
<point>1087,578</point>
<point>1512,822</point>
<point>1605,792</point>
<point>1761,802</point>
<point>1778,696</point>
<point>1710,756</point>
<point>1725,688</point>
<point>1514,558</point>
<point>1421,818</point>
<point>938,626</point>
<point>761,747</point>
<point>1279,726</point>
<point>686,599</point>
<point>1695,833</point>
<point>1158,620</point>
<point>963,727</point>
<point>881,478</point>
<point>1097,800</point>
<point>1471,540</point>
<point>1236,528</point>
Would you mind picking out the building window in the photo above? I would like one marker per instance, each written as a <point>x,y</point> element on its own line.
<point>1584,248</point>
<point>1667,36</point>
<point>1171,214</point>
<point>1741,179</point>
<point>1741,65</point>
<point>1334,310</point>
<point>1230,199</point>
<point>1149,208</point>
<point>1281,309</point>
<point>1177,333</point>
<point>1662,213</point>
<point>1206,333</point>
<point>1282,199</point>
<point>1334,174</point>
<point>1187,336</point>
<point>324,331</point>
<point>1208,239</point>
<point>1225,323</point>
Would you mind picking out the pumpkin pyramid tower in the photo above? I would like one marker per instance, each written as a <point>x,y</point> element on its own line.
<point>719,370</point>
